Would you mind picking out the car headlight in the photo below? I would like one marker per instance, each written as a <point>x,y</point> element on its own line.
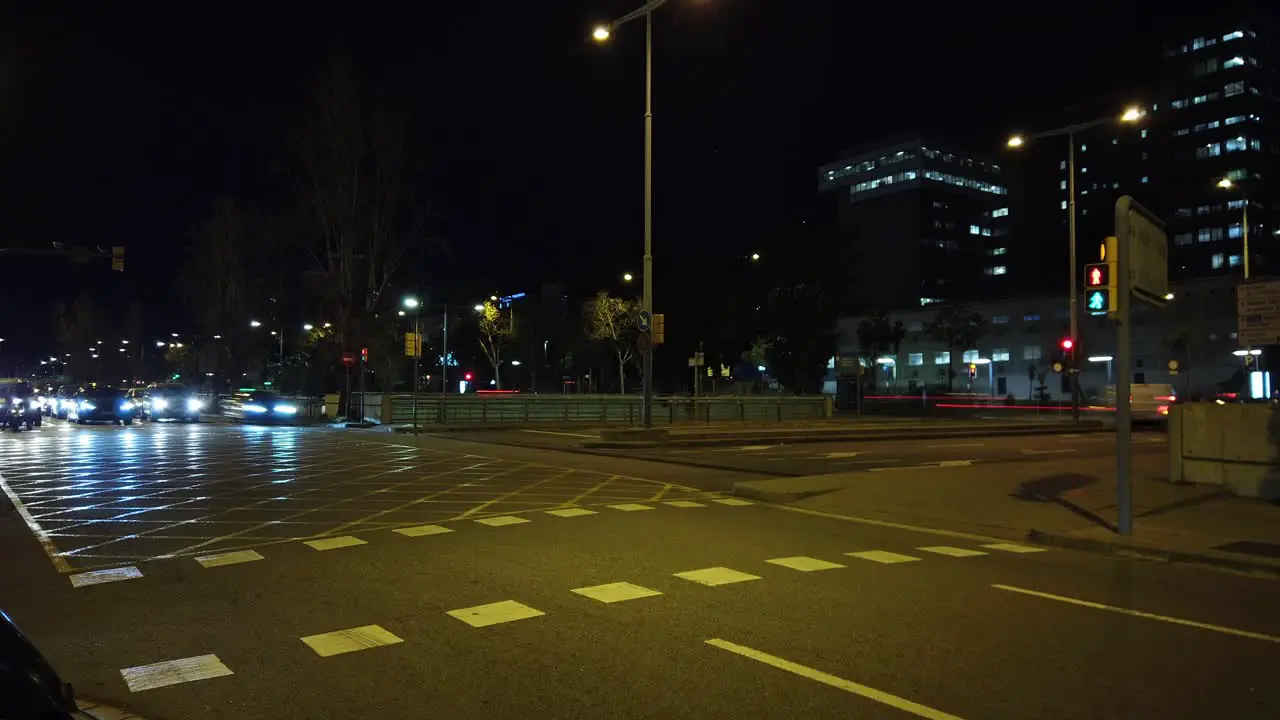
<point>194,404</point>
<point>127,405</point>
<point>285,409</point>
<point>86,405</point>
<point>255,408</point>
<point>159,403</point>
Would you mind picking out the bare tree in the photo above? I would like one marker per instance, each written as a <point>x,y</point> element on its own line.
<point>496,330</point>
<point>612,320</point>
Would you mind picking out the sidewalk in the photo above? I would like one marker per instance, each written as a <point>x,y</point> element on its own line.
<point>1065,503</point>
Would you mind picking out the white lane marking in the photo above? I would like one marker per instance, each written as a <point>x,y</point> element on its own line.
<point>335,542</point>
<point>494,613</point>
<point>173,672</point>
<point>564,434</point>
<point>956,445</point>
<point>714,576</point>
<point>229,558</point>
<point>804,564</point>
<point>1139,613</point>
<point>59,563</point>
<point>501,520</point>
<point>683,503</point>
<point>939,464</point>
<point>951,551</point>
<point>954,534</point>
<point>421,530</point>
<point>616,592</point>
<point>883,556</point>
<point>97,577</point>
<point>1013,548</point>
<point>349,640</point>
<point>834,681</point>
<point>631,507</point>
<point>1049,452</point>
<point>839,454</point>
<point>571,512</point>
<point>735,502</point>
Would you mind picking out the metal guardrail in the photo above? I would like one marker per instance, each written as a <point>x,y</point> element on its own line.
<point>604,409</point>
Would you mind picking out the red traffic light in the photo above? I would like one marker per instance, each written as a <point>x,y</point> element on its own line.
<point>1068,343</point>
<point>364,354</point>
<point>467,377</point>
<point>1098,275</point>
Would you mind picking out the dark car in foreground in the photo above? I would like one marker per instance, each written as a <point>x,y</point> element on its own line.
<point>105,405</point>
<point>171,402</point>
<point>259,406</point>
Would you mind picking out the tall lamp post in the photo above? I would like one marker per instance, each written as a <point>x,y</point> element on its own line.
<point>1226,184</point>
<point>601,34</point>
<point>1130,115</point>
<point>412,304</point>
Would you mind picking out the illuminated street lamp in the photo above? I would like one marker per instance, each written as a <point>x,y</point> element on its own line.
<point>1226,184</point>
<point>627,277</point>
<point>478,308</point>
<point>308,327</point>
<point>252,323</point>
<point>1131,114</point>
<point>755,257</point>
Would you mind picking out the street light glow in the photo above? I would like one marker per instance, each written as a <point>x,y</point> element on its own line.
<point>1226,184</point>
<point>479,308</point>
<point>400,313</point>
<point>600,33</point>
<point>626,277</point>
<point>411,302</point>
<point>755,257</point>
<point>308,327</point>
<point>1132,113</point>
<point>1015,141</point>
<point>252,323</point>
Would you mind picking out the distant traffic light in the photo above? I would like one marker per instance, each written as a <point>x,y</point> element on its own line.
<point>467,377</point>
<point>364,355</point>
<point>1067,344</point>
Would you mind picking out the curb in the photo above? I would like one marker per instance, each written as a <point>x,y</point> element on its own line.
<point>1257,568</point>
<point>98,711</point>
<point>863,436</point>
<point>778,498</point>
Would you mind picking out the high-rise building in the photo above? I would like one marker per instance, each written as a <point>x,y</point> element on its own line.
<point>930,219</point>
<point>1219,118</point>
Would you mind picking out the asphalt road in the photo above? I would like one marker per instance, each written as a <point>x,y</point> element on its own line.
<point>729,609</point>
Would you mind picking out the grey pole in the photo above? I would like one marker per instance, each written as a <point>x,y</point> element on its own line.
<point>1124,361</point>
<point>417,352</point>
<point>648,210</point>
<point>1073,369</point>
<point>444,370</point>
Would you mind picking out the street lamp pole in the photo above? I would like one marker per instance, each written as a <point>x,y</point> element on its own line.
<point>648,211</point>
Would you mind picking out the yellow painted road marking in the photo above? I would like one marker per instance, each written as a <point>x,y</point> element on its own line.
<point>513,493</point>
<point>592,490</point>
<point>804,564</point>
<point>59,563</point>
<point>334,543</point>
<point>571,512</point>
<point>714,576</point>
<point>834,681</point>
<point>501,520</point>
<point>494,613</point>
<point>683,503</point>
<point>736,502</point>
<point>630,507</point>
<point>349,640</point>
<point>421,530</point>
<point>173,672</point>
<point>97,577</point>
<point>616,592</point>
<point>883,556</point>
<point>951,551</point>
<point>1139,613</point>
<point>661,493</point>
<point>229,558</point>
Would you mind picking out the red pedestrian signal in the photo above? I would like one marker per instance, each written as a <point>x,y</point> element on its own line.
<point>1068,344</point>
<point>1098,275</point>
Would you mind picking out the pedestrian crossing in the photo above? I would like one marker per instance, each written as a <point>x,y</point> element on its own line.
<point>330,643</point>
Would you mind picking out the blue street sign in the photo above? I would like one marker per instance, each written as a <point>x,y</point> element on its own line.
<point>643,320</point>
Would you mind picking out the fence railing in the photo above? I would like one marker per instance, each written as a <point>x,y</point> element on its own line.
<point>433,409</point>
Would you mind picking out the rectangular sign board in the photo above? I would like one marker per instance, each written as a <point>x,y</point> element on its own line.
<point>412,345</point>
<point>1148,251</point>
<point>1258,313</point>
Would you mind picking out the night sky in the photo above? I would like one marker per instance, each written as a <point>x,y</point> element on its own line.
<point>119,127</point>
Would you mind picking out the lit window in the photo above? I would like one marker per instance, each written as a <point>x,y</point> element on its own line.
<point>942,358</point>
<point>1234,119</point>
<point>1031,352</point>
<point>1000,212</point>
<point>929,301</point>
<point>1145,179</point>
<point>1235,204</point>
<point>1236,174</point>
<point>1062,165</point>
<point>970,356</point>
<point>1233,261</point>
<point>1083,147</point>
<point>1064,205</point>
<point>1216,260</point>
<point>1204,235</point>
<point>1203,209</point>
<point>975,230</point>
<point>999,319</point>
<point>1182,239</point>
<point>999,251</point>
<point>1210,150</point>
<point>1031,317</point>
<point>1182,212</point>
<point>1234,88</point>
<point>915,359</point>
<point>1255,144</point>
<point>1143,132</point>
<point>1000,355</point>
<point>1236,144</point>
<point>1176,104</point>
<point>1062,184</point>
<point>1236,61</point>
<point>1084,170</point>
<point>1235,35</point>
<point>1235,230</point>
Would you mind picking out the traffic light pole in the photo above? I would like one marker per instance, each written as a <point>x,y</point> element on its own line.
<point>1124,352</point>
<point>1073,368</point>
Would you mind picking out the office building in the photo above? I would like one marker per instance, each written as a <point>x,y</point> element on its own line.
<point>930,219</point>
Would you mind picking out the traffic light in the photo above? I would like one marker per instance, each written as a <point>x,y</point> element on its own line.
<point>1067,345</point>
<point>973,370</point>
<point>659,328</point>
<point>467,377</point>
<point>364,355</point>
<point>1100,281</point>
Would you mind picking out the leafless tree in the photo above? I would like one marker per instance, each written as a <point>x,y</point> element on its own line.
<point>612,320</point>
<point>495,331</point>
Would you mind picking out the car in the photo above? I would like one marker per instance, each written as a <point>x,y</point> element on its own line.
<point>259,406</point>
<point>20,406</point>
<point>1148,402</point>
<point>102,404</point>
<point>171,401</point>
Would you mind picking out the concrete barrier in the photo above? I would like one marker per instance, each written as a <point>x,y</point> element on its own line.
<point>618,410</point>
<point>1233,446</point>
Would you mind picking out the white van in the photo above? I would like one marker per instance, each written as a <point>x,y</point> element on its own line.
<point>1148,402</point>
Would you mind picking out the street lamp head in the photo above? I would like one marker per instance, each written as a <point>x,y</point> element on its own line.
<point>400,313</point>
<point>493,298</point>
<point>308,327</point>
<point>254,323</point>
<point>1226,184</point>
<point>411,302</point>
<point>600,33</point>
<point>478,308</point>
<point>755,257</point>
<point>626,277</point>
<point>1015,141</point>
<point>1132,113</point>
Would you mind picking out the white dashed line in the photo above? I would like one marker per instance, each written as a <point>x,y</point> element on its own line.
<point>98,577</point>
<point>422,530</point>
<point>1013,548</point>
<point>349,640</point>
<point>951,551</point>
<point>229,558</point>
<point>732,501</point>
<point>494,613</point>
<point>631,507</point>
<point>714,576</point>
<point>173,672</point>
<point>616,592</point>
<point>883,556</point>
<point>683,504</point>
<point>501,520</point>
<point>334,543</point>
<point>804,564</point>
<point>571,512</point>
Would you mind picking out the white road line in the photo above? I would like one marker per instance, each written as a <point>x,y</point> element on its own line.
<point>501,520</point>
<point>950,551</point>
<point>834,681</point>
<point>883,556</point>
<point>735,502</point>
<point>571,512</point>
<point>494,613</point>
<point>683,503</point>
<point>939,464</point>
<point>615,592</point>
<point>349,640</point>
<point>421,530</point>
<point>872,522</point>
<point>334,543</point>
<point>804,564</point>
<point>713,576</point>
<point>565,434</point>
<point>1139,613</point>
<point>1049,452</point>
<point>1013,548</point>
<point>229,558</point>
<point>59,563</point>
<point>631,507</point>
<point>173,672</point>
<point>97,577</point>
<point>839,454</point>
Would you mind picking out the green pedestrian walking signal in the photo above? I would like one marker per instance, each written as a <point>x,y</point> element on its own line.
<point>1098,301</point>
